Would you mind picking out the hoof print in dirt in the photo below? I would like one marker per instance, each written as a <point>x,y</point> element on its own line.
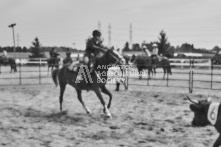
<point>114,127</point>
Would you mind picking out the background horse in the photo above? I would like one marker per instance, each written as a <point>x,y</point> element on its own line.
<point>97,80</point>
<point>144,62</point>
<point>164,63</point>
<point>8,61</point>
<point>53,62</point>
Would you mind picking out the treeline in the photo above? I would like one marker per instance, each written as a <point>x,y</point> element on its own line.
<point>43,49</point>
<point>166,49</point>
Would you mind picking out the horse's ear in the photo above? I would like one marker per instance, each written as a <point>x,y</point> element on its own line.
<point>120,51</point>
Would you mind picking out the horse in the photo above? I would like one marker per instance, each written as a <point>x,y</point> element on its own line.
<point>8,61</point>
<point>142,62</point>
<point>145,62</point>
<point>97,79</point>
<point>53,62</point>
<point>164,63</point>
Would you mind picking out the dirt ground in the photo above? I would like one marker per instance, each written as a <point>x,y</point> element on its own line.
<point>141,117</point>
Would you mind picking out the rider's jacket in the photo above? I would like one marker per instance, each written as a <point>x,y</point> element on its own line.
<point>93,47</point>
<point>155,51</point>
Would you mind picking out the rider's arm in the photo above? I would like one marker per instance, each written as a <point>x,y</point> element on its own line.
<point>96,47</point>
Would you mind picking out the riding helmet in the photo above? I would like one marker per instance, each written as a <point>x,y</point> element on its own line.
<point>96,33</point>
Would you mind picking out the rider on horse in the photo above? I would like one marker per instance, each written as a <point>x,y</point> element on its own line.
<point>146,51</point>
<point>154,53</point>
<point>52,53</point>
<point>68,59</point>
<point>93,48</point>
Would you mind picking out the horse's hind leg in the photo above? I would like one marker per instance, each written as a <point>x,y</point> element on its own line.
<point>82,102</point>
<point>164,72</point>
<point>48,69</point>
<point>105,110</point>
<point>107,92</point>
<point>117,86</point>
<point>62,89</point>
<point>140,73</point>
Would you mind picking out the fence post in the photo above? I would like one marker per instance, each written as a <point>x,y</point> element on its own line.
<point>192,81</point>
<point>126,79</point>
<point>191,76</point>
<point>20,72</point>
<point>40,72</point>
<point>211,75</point>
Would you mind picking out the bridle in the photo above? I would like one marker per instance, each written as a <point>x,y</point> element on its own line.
<point>117,59</point>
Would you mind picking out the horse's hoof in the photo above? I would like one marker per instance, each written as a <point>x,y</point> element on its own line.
<point>89,112</point>
<point>108,115</point>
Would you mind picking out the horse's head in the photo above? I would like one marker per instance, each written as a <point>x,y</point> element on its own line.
<point>114,57</point>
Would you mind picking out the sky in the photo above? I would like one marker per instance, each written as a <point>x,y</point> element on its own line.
<point>70,22</point>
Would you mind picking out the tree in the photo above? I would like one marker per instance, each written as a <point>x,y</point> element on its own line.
<point>36,49</point>
<point>186,47</point>
<point>216,49</point>
<point>163,44</point>
<point>136,47</point>
<point>24,49</point>
<point>126,47</point>
<point>170,52</point>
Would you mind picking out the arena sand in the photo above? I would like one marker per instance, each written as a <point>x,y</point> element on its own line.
<point>142,117</point>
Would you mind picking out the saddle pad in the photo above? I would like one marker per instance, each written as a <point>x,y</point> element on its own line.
<point>74,66</point>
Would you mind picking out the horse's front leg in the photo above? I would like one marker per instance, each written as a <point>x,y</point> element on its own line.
<point>82,102</point>
<point>105,110</point>
<point>107,92</point>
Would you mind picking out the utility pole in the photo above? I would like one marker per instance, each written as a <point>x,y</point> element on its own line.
<point>131,36</point>
<point>18,39</point>
<point>109,35</point>
<point>13,33</point>
<point>99,26</point>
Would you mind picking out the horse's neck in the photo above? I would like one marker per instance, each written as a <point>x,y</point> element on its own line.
<point>102,66</point>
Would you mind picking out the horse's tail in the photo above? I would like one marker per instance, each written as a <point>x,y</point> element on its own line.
<point>55,76</point>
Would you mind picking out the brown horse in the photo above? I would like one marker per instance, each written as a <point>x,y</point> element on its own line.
<point>97,80</point>
<point>144,62</point>
<point>8,61</point>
